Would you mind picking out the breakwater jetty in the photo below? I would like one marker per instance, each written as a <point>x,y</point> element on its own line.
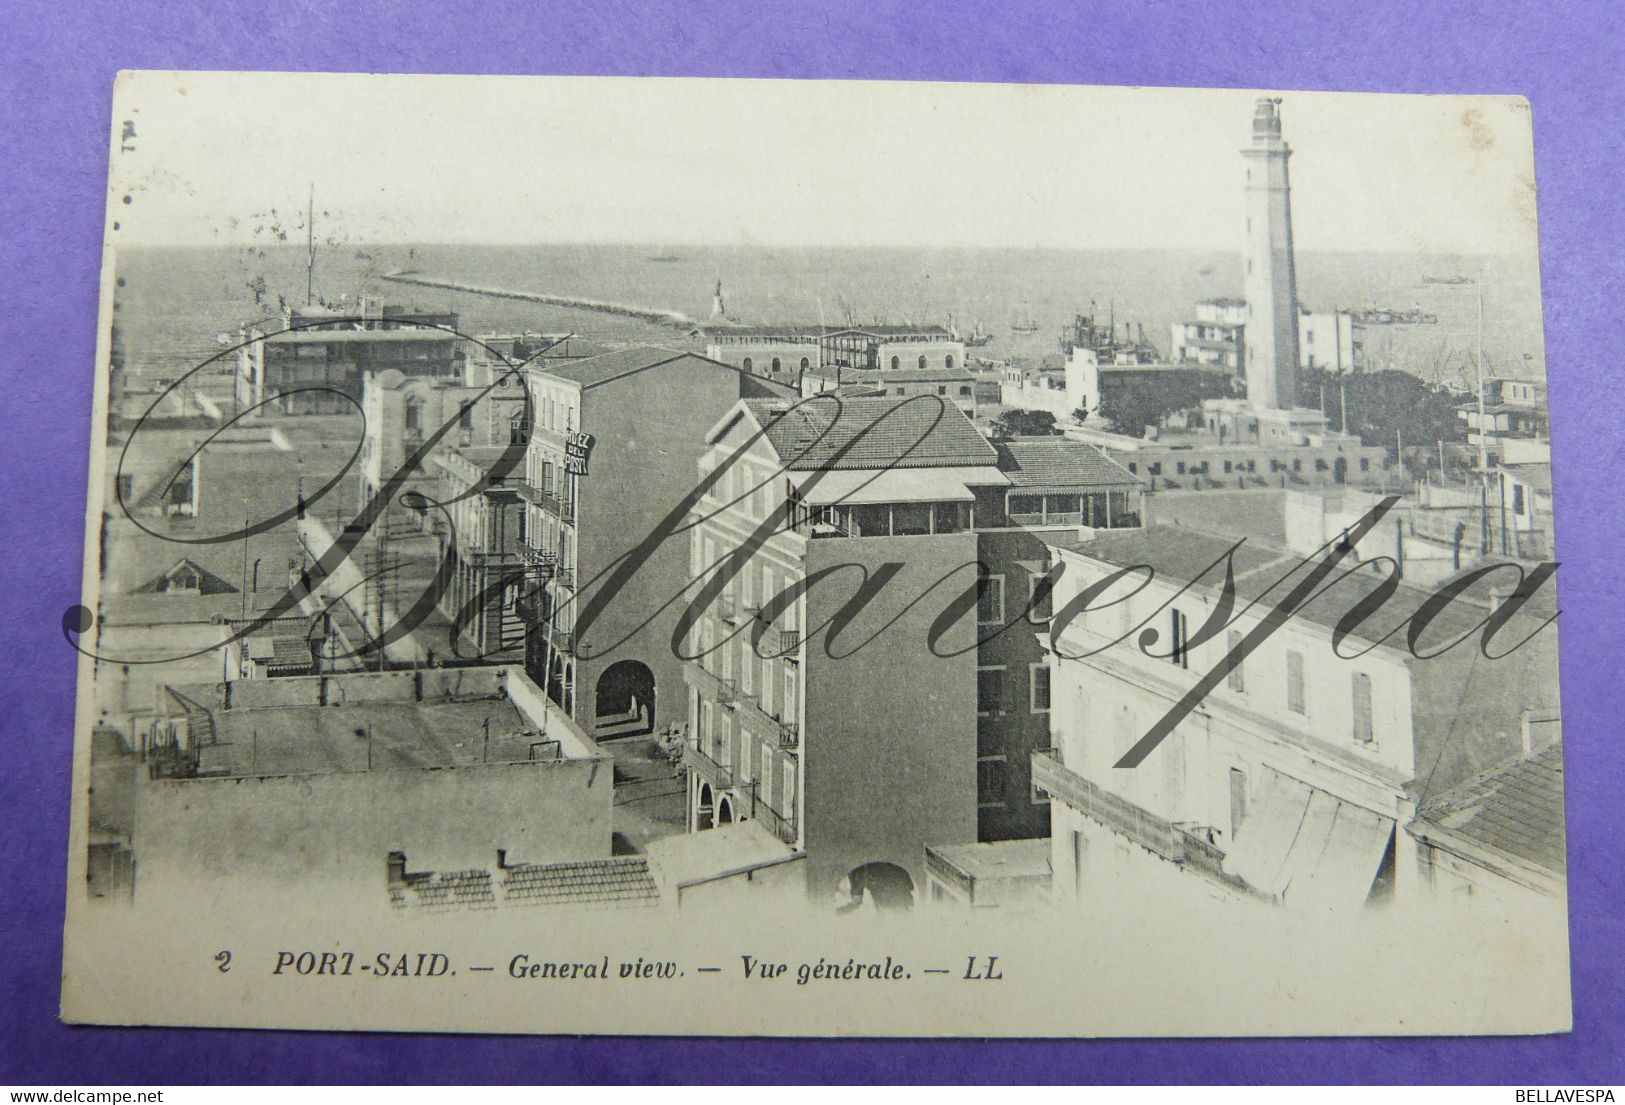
<point>657,315</point>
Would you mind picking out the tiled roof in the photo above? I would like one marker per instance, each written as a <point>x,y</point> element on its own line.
<point>1060,462</point>
<point>862,432</point>
<point>623,880</point>
<point>445,890</point>
<point>1517,809</point>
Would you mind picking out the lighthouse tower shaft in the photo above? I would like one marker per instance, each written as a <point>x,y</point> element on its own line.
<point>1270,279</point>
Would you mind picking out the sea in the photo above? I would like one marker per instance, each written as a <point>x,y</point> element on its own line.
<point>172,303</point>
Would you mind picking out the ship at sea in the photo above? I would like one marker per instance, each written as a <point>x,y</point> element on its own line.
<point>665,259</point>
<point>1023,325</point>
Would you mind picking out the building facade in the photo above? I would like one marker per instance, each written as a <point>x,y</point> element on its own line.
<point>612,450</point>
<point>1288,782</point>
<point>315,360</point>
<point>787,725</point>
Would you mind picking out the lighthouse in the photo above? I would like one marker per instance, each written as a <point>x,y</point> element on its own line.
<point>1269,277</point>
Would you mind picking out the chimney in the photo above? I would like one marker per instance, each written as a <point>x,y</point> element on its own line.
<point>395,867</point>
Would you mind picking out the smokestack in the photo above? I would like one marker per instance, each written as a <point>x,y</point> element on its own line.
<point>395,869</point>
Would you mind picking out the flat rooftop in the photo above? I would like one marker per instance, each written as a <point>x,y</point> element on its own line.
<point>374,722</point>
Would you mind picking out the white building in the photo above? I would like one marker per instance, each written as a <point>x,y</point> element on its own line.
<point>1288,781</point>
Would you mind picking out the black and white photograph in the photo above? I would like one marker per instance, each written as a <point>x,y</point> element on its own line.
<point>817,558</point>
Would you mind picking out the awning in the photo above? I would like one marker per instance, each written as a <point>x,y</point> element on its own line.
<point>897,485</point>
<point>1306,846</point>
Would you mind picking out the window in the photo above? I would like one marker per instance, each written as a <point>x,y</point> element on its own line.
<point>922,360</point>
<point>1234,678</point>
<point>1179,648</point>
<point>1365,464</point>
<point>1362,708</point>
<point>896,363</point>
<point>948,361</point>
<point>989,599</point>
<point>1041,605</point>
<point>1517,498</point>
<point>767,773</point>
<point>964,391</point>
<point>942,389</point>
<point>805,364</point>
<point>776,366</point>
<point>1294,682</point>
<point>746,365</point>
<point>989,691</point>
<point>1038,685</point>
<point>1238,800</point>
<point>991,773</point>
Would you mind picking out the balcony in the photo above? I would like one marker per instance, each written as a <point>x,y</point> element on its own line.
<point>789,735</point>
<point>782,827</point>
<point>718,776</point>
<point>1117,814</point>
<point>539,558</point>
<point>547,500</point>
<point>1185,845</point>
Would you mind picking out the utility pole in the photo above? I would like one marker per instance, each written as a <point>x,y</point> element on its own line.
<point>1483,428</point>
<point>244,578</point>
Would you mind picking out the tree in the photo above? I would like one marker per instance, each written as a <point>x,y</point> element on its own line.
<point>1024,423</point>
<point>1080,416</point>
<point>1382,406</point>
<point>1144,399</point>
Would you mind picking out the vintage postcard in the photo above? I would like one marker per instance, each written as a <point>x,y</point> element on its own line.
<point>817,558</point>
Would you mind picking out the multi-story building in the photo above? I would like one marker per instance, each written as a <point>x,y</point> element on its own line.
<point>794,728</point>
<point>314,362</point>
<point>1213,337</point>
<point>787,352</point>
<point>1513,410</point>
<point>1287,781</point>
<point>613,448</point>
<point>1054,490</point>
<point>481,534</point>
<point>1216,336</point>
<point>402,412</point>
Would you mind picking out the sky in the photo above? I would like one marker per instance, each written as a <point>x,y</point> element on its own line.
<point>204,157</point>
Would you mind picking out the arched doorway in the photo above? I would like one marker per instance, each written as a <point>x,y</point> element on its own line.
<point>725,810</point>
<point>624,700</point>
<point>704,812</point>
<point>886,884</point>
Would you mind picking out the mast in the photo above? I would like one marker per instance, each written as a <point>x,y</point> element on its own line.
<point>310,249</point>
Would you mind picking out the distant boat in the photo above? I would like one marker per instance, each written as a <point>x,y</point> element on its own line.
<point>1023,325</point>
<point>977,337</point>
<point>665,259</point>
<point>1447,280</point>
<point>1208,271</point>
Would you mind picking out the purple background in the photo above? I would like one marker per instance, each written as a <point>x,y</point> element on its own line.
<point>56,69</point>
